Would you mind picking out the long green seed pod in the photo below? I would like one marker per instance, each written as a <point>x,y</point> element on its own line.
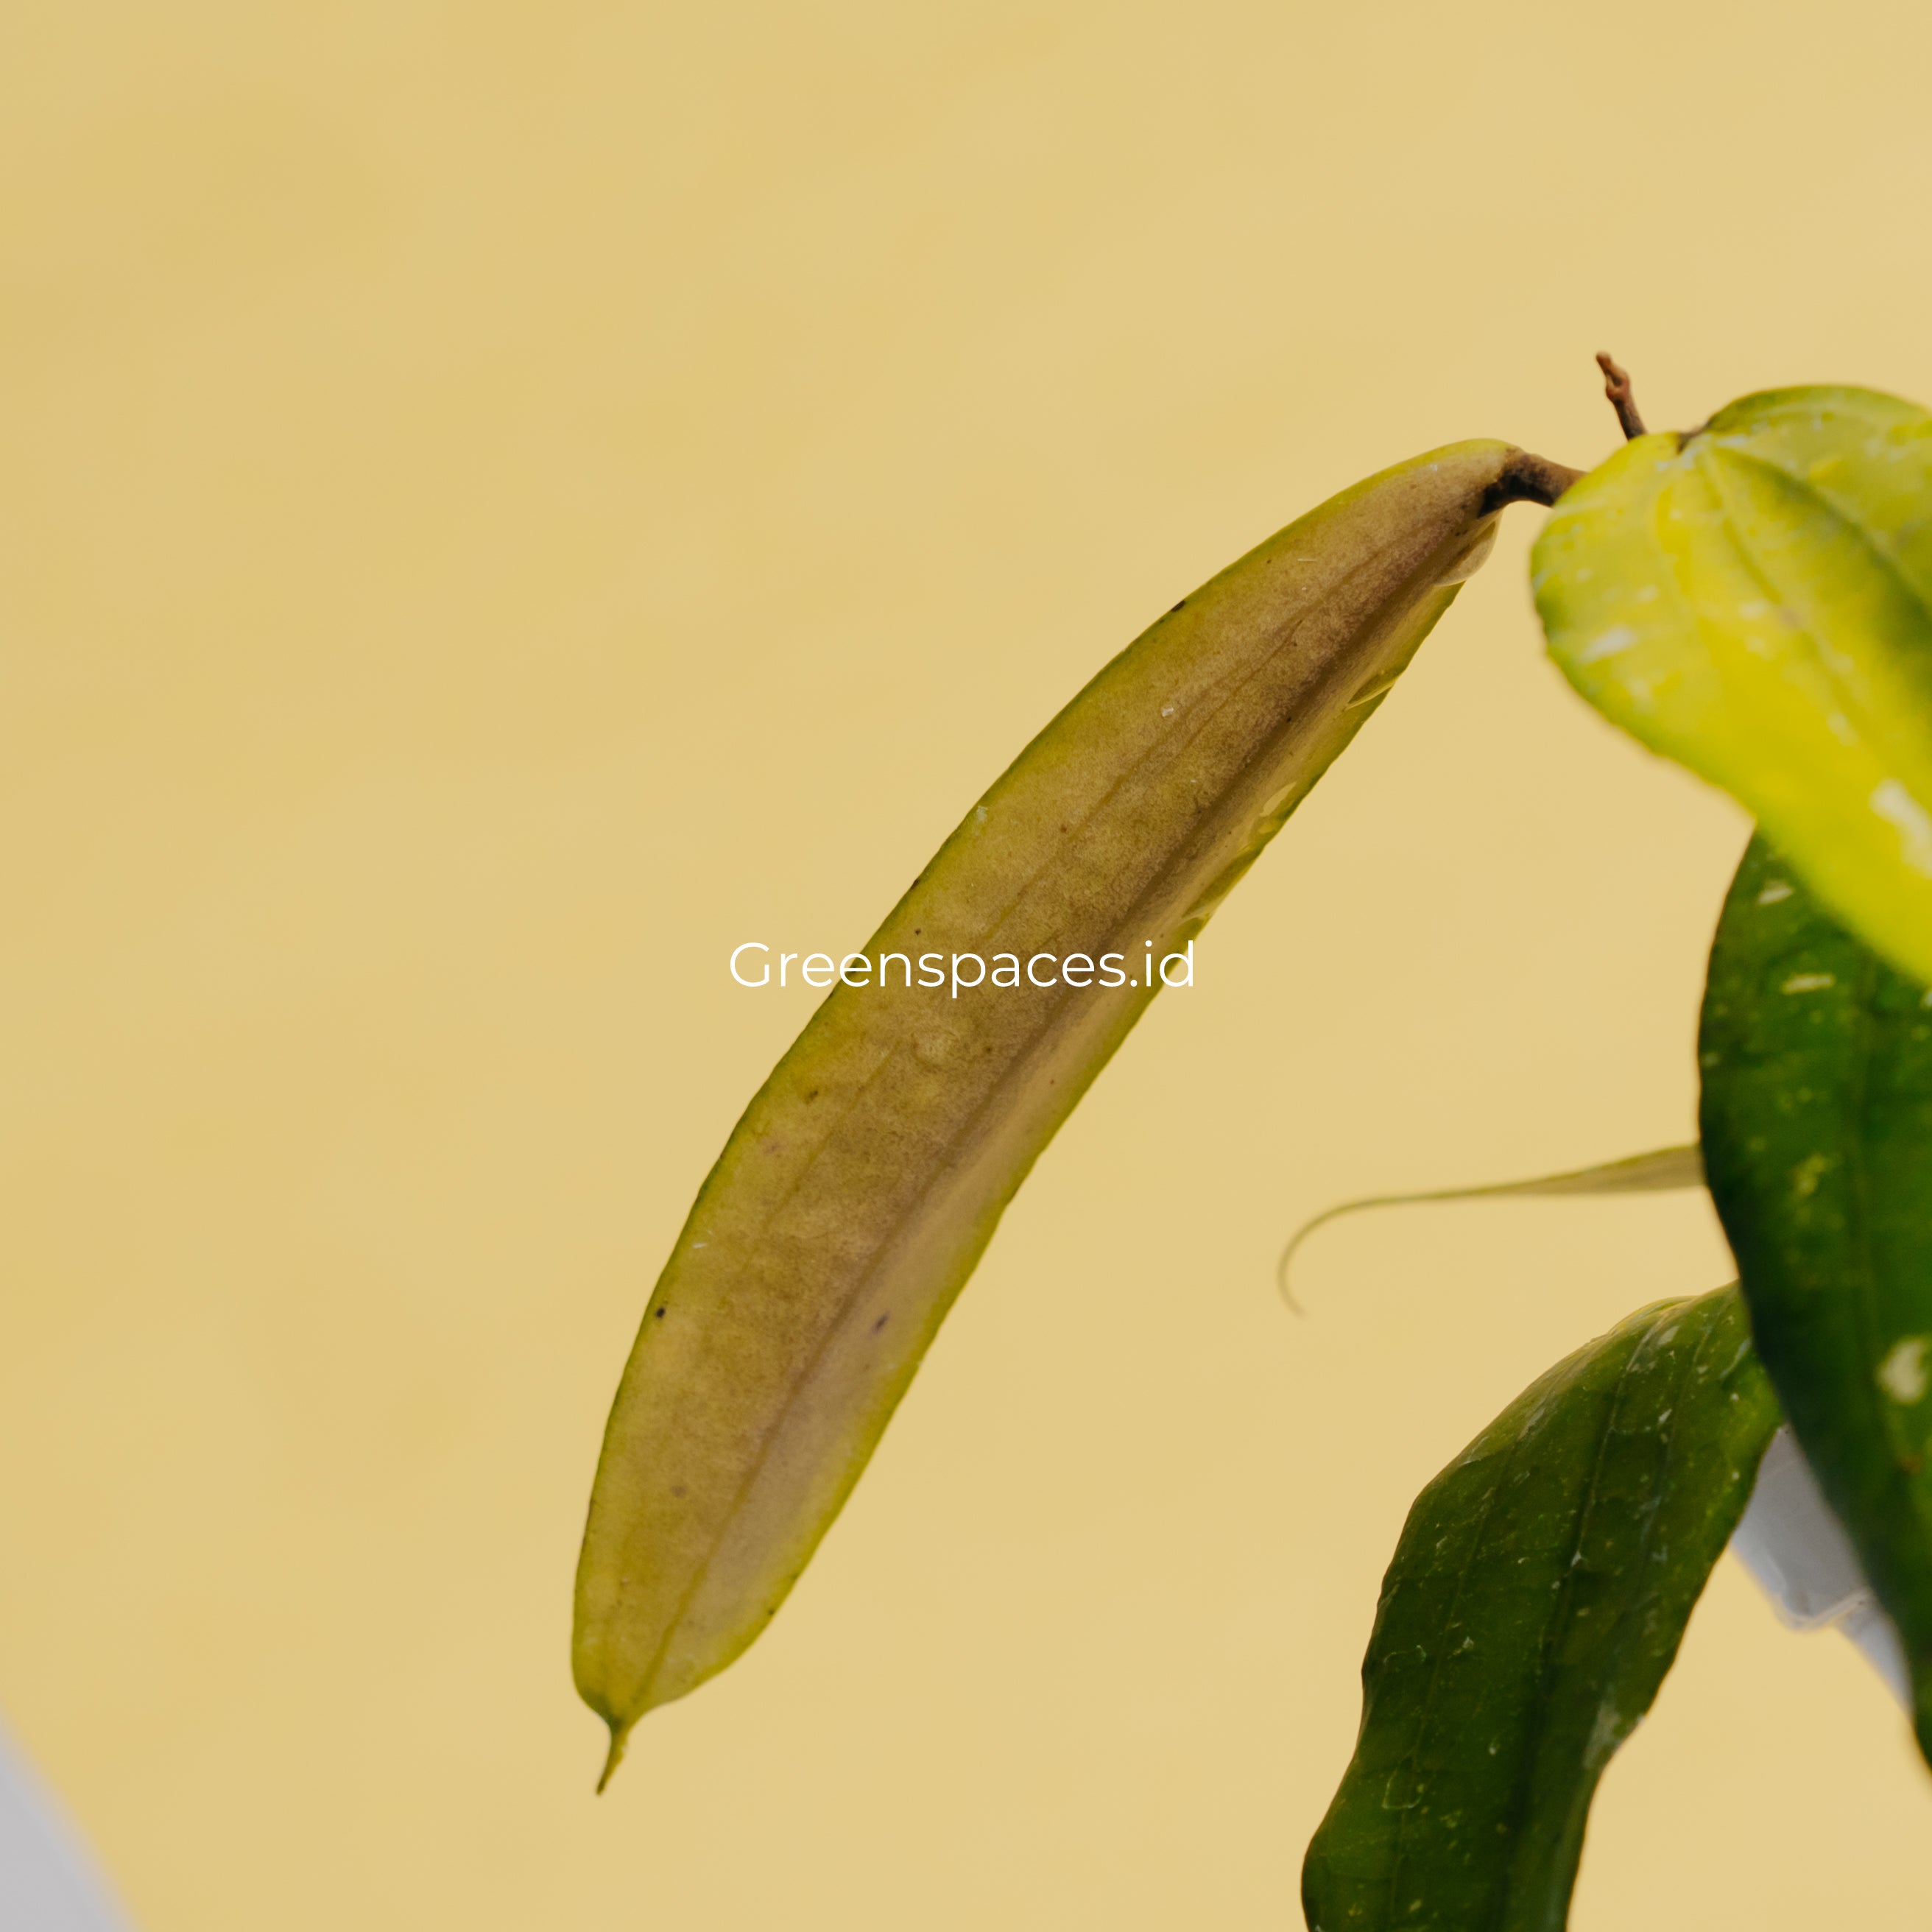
<point>1535,1602</point>
<point>856,1193</point>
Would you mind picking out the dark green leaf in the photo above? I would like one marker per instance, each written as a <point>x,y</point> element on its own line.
<point>1817,1123</point>
<point>1536,1600</point>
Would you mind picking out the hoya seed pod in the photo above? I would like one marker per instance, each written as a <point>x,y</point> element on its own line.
<point>856,1195</point>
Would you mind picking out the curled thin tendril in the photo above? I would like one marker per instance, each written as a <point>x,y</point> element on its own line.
<point>1656,1173</point>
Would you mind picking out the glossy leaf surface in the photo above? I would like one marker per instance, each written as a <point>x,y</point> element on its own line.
<point>1751,600</point>
<point>1816,1060</point>
<point>1537,1597</point>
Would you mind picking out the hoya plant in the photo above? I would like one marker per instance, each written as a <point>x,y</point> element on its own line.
<point>1752,597</point>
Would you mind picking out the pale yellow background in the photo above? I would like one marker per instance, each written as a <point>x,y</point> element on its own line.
<point>498,504</point>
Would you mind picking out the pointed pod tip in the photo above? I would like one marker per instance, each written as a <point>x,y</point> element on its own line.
<point>620,1736</point>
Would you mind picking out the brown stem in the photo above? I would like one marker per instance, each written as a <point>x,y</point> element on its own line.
<point>1529,479</point>
<point>1617,387</point>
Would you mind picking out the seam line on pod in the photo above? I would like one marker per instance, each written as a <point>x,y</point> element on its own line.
<point>1222,695</point>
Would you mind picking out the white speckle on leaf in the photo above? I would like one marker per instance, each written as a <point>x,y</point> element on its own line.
<point>1617,637</point>
<point>1809,1171</point>
<point>1902,1374</point>
<point>1754,607</point>
<point>1167,710</point>
<point>1808,982</point>
<point>1648,595</point>
<point>1897,807</point>
<point>1841,727</point>
<point>1774,890</point>
<point>1609,1731</point>
<point>980,814</point>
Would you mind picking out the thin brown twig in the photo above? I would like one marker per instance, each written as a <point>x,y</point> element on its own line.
<point>1617,387</point>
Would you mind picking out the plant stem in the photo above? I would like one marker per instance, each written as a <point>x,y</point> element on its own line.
<point>1617,387</point>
